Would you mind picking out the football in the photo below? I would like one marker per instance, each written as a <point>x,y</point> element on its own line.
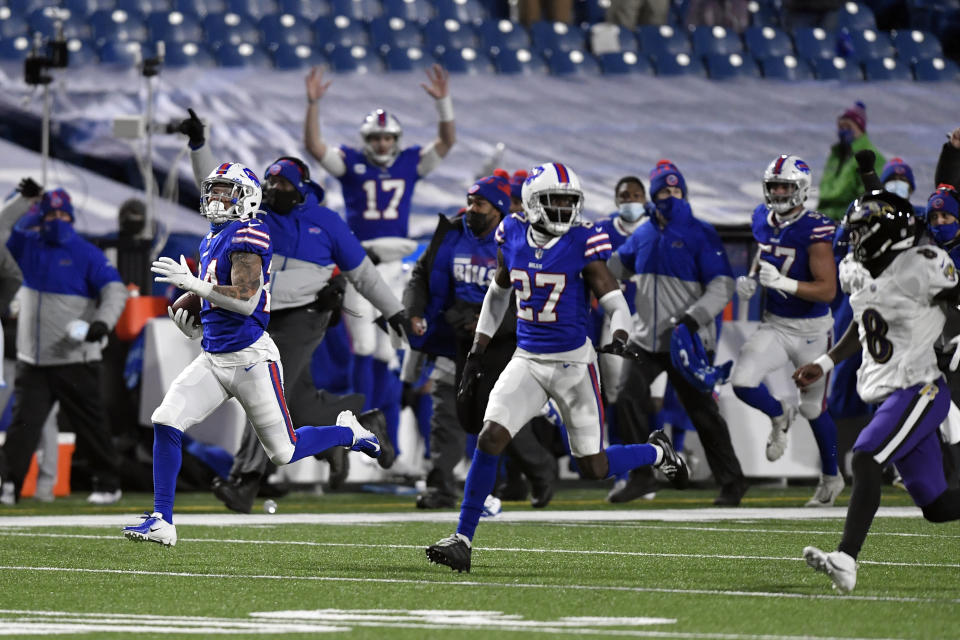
<point>191,302</point>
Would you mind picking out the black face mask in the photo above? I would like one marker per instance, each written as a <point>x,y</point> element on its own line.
<point>477,222</point>
<point>281,202</point>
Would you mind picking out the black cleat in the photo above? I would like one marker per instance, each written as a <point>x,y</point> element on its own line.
<point>641,484</point>
<point>375,422</point>
<point>237,495</point>
<point>672,465</point>
<point>452,552</point>
<point>541,494</point>
<point>434,499</point>
<point>731,494</point>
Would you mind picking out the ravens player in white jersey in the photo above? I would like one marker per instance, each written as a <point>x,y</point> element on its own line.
<point>239,359</point>
<point>895,290</point>
<point>795,263</point>
<point>552,261</point>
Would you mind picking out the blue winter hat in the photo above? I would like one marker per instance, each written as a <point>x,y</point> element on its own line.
<point>56,200</point>
<point>289,170</point>
<point>944,199</point>
<point>494,189</point>
<point>666,174</point>
<point>897,168</point>
<point>516,183</point>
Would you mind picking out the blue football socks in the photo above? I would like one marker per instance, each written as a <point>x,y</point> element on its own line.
<point>624,457</point>
<point>480,481</point>
<point>314,440</point>
<point>167,456</point>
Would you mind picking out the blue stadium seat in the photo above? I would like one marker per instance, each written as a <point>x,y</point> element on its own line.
<point>815,43</point>
<point>573,63</point>
<point>14,49</point>
<point>624,62</point>
<point>120,54</point>
<point>188,54</point>
<point>253,9</point>
<point>730,66</point>
<point>915,45</point>
<point>87,7</point>
<point>394,33</point>
<point>767,42</point>
<point>869,44</point>
<point>362,10</point>
<point>936,70</point>
<point>467,60</point>
<point>174,26</point>
<point>296,56</point>
<point>285,29</point>
<point>680,64</point>
<point>23,7</point>
<point>148,6</point>
<point>308,9</point>
<point>244,54</point>
<point>353,59</point>
<point>715,40</point>
<point>855,17</point>
<point>117,25</point>
<point>229,28</point>
<point>340,31</point>
<point>764,14</point>
<point>441,34</point>
<point>12,24</point>
<point>550,37</point>
<point>201,7</point>
<point>407,59</point>
<point>786,68</point>
<point>837,69</point>
<point>663,41</point>
<point>887,69</point>
<point>503,34</point>
<point>521,61</point>
<point>409,10</point>
<point>469,11</point>
<point>82,52</point>
<point>44,20</point>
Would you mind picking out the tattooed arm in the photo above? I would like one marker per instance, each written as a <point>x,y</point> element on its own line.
<point>246,274</point>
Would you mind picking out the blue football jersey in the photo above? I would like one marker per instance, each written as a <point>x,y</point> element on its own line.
<point>474,263</point>
<point>226,331</point>
<point>377,198</point>
<point>552,298</point>
<point>786,247</point>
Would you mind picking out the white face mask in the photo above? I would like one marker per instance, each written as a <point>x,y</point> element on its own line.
<point>632,211</point>
<point>898,187</point>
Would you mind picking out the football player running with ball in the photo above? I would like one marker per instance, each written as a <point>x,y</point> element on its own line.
<point>895,291</point>
<point>239,359</point>
<point>552,261</point>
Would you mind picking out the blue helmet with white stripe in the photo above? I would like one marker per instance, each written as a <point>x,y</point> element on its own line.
<point>552,198</point>
<point>791,171</point>
<point>231,192</point>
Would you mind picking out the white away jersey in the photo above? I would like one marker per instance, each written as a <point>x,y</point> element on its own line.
<point>899,323</point>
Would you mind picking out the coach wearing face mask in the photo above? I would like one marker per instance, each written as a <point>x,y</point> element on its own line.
<point>841,184</point>
<point>71,298</point>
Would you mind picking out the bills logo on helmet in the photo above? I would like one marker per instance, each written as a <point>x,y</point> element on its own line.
<point>536,171</point>
<point>252,176</point>
<point>802,166</point>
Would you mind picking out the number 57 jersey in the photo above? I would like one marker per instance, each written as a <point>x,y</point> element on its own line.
<point>553,300</point>
<point>898,320</point>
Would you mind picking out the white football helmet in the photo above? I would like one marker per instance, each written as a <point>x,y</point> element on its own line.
<point>234,183</point>
<point>791,170</point>
<point>380,121</point>
<point>552,198</point>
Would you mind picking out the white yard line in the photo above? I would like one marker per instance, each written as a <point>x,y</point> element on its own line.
<point>674,527</point>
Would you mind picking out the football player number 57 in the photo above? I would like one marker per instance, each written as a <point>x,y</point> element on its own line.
<point>393,186</point>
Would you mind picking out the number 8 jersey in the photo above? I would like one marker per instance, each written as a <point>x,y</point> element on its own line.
<point>899,322</point>
<point>553,301</point>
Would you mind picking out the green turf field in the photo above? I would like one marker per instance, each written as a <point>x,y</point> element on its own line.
<point>707,573</point>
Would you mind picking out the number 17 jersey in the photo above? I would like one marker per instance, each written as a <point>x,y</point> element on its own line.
<point>377,199</point>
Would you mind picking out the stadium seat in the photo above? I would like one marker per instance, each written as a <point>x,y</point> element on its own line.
<point>87,7</point>
<point>285,29</point>
<point>887,69</point>
<point>663,41</point>
<point>12,24</point>
<point>120,54</point>
<point>23,7</point>
<point>815,43</point>
<point>252,9</point>
<point>201,8</point>
<point>394,33</point>
<point>407,59</point>
<point>174,26</point>
<point>307,9</point>
<point>353,59</point>
<point>149,6</point>
<point>912,45</point>
<point>549,37</point>
<point>467,60</point>
<point>715,40</point>
<point>680,64</point>
<point>625,62</point>
<point>870,45</point>
<point>117,25</point>
<point>244,54</point>
<point>14,49</point>
<point>573,63</point>
<point>339,31</point>
<point>837,69</point>
<point>467,11</point>
<point>764,14</point>
<point>441,34</point>
<point>409,10</point>
<point>188,54</point>
<point>936,70</point>
<point>729,66</point>
<point>767,42</point>
<point>82,53</point>
<point>503,34</point>
<point>521,61</point>
<point>288,55</point>
<point>229,28</point>
<point>786,68</point>
<point>855,17</point>
<point>45,20</point>
<point>362,10</point>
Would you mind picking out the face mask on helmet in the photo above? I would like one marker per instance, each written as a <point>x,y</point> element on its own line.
<point>881,225</point>
<point>632,211</point>
<point>381,133</point>
<point>230,192</point>
<point>898,187</point>
<point>552,198</point>
<point>559,211</point>
<point>786,184</point>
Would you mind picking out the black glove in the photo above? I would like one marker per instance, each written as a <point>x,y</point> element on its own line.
<point>472,371</point>
<point>865,160</point>
<point>194,129</point>
<point>400,324</point>
<point>330,298</point>
<point>29,189</point>
<point>97,330</point>
<point>622,348</point>
<point>689,322</point>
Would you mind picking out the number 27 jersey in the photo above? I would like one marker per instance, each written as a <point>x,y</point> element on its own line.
<point>553,301</point>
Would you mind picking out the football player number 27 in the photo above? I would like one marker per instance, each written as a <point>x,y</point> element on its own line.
<point>393,186</point>
<point>557,282</point>
<point>876,329</point>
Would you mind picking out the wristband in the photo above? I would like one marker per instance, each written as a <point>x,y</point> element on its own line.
<point>445,109</point>
<point>203,288</point>
<point>789,285</point>
<point>825,362</point>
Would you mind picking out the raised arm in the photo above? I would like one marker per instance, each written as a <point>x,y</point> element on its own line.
<point>329,157</point>
<point>439,90</point>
